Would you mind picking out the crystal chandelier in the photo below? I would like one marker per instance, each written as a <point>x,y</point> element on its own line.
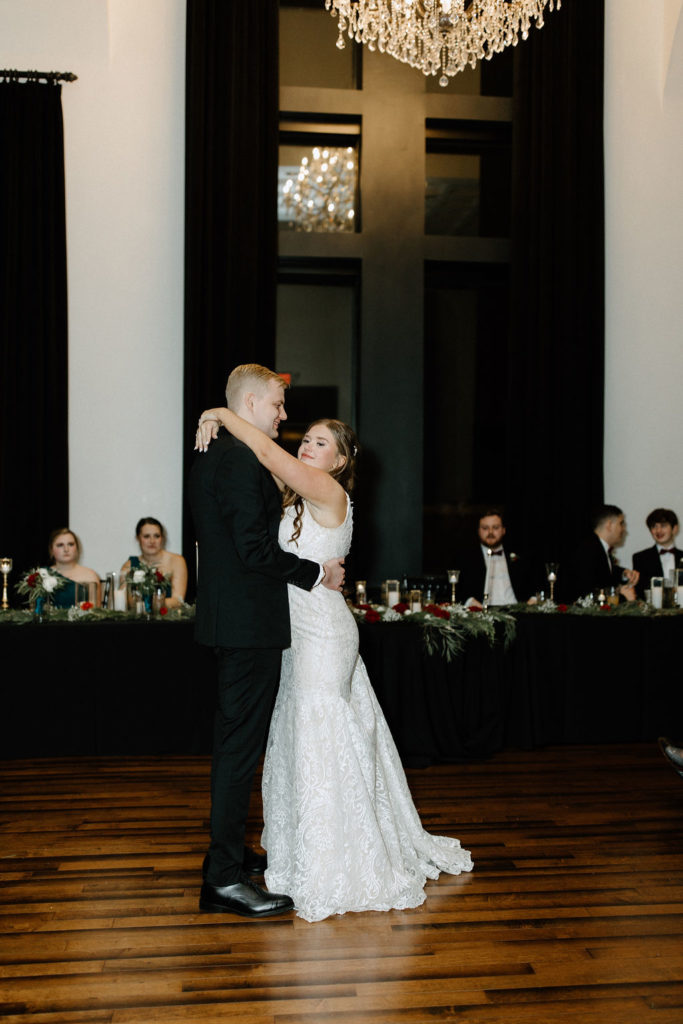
<point>438,36</point>
<point>320,195</point>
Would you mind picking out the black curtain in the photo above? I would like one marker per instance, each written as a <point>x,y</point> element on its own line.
<point>556,355</point>
<point>230,200</point>
<point>34,464</point>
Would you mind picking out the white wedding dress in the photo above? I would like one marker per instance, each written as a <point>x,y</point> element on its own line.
<point>341,830</point>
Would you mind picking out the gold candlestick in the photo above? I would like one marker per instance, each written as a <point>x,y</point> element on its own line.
<point>485,602</point>
<point>453,577</point>
<point>5,569</point>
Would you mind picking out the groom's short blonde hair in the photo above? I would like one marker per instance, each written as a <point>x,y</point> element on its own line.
<point>249,377</point>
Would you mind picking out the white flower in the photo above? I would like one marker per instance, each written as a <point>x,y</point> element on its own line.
<point>44,573</point>
<point>139,576</point>
<point>391,616</point>
<point>50,583</point>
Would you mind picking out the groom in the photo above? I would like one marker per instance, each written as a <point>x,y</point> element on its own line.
<point>243,613</point>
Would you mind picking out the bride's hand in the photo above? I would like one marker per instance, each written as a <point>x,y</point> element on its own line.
<point>207,431</point>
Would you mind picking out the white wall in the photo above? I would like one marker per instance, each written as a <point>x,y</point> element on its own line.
<point>644,260</point>
<point>124,169</point>
<point>124,155</point>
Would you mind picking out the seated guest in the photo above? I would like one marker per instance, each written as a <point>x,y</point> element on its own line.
<point>509,576</point>
<point>663,557</point>
<point>151,536</point>
<point>64,549</point>
<point>594,565</point>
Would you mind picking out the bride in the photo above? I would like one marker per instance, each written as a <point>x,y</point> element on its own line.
<point>341,830</point>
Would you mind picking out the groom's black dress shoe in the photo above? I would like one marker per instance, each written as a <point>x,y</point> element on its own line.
<point>253,863</point>
<point>674,755</point>
<point>244,897</point>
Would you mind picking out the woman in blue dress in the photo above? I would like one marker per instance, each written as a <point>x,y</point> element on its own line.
<point>151,536</point>
<point>65,549</point>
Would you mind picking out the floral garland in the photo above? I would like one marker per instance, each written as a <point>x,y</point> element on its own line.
<point>87,613</point>
<point>586,606</point>
<point>446,628</point>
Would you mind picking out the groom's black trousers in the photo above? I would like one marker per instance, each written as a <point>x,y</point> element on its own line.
<point>247,684</point>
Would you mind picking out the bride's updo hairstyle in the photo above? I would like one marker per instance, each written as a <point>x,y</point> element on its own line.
<point>347,445</point>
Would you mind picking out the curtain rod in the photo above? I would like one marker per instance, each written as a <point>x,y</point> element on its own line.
<point>50,77</point>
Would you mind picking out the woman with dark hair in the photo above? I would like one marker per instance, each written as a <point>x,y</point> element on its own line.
<point>65,550</point>
<point>341,830</point>
<point>151,536</point>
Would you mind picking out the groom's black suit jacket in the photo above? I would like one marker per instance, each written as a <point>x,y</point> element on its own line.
<point>243,572</point>
<point>649,564</point>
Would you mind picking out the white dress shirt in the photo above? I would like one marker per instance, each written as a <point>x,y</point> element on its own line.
<point>497,584</point>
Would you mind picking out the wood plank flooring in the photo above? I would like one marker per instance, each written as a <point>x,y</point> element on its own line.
<point>573,913</point>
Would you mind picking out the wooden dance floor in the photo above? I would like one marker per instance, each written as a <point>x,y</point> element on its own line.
<point>574,911</point>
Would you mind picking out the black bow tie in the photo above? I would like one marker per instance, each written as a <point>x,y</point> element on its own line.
<point>667,551</point>
<point>498,552</point>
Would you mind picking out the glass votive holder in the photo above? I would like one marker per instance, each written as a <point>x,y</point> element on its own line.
<point>361,592</point>
<point>416,600</point>
<point>657,591</point>
<point>85,593</point>
<point>393,592</point>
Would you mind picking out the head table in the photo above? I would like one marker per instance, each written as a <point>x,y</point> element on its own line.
<point>145,688</point>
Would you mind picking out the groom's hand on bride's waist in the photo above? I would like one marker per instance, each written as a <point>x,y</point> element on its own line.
<point>333,574</point>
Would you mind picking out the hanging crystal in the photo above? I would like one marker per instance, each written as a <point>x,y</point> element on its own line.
<point>438,37</point>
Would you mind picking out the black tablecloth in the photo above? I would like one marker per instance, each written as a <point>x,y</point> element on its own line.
<point>147,688</point>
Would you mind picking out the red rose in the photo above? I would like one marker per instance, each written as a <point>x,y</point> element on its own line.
<point>473,608</point>
<point>401,607</point>
<point>372,616</point>
<point>364,607</point>
<point>562,607</point>
<point>605,607</point>
<point>435,610</point>
<point>86,606</point>
<point>163,611</point>
<point>33,579</point>
<point>159,576</point>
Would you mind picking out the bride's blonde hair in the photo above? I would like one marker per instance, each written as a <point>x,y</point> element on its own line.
<point>347,445</point>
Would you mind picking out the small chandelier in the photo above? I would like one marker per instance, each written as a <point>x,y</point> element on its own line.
<point>438,36</point>
<point>320,195</point>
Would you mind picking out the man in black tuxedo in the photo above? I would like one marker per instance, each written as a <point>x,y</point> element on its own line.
<point>510,577</point>
<point>243,613</point>
<point>594,565</point>
<point>663,557</point>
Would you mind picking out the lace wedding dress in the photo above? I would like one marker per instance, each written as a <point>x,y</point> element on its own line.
<point>341,829</point>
